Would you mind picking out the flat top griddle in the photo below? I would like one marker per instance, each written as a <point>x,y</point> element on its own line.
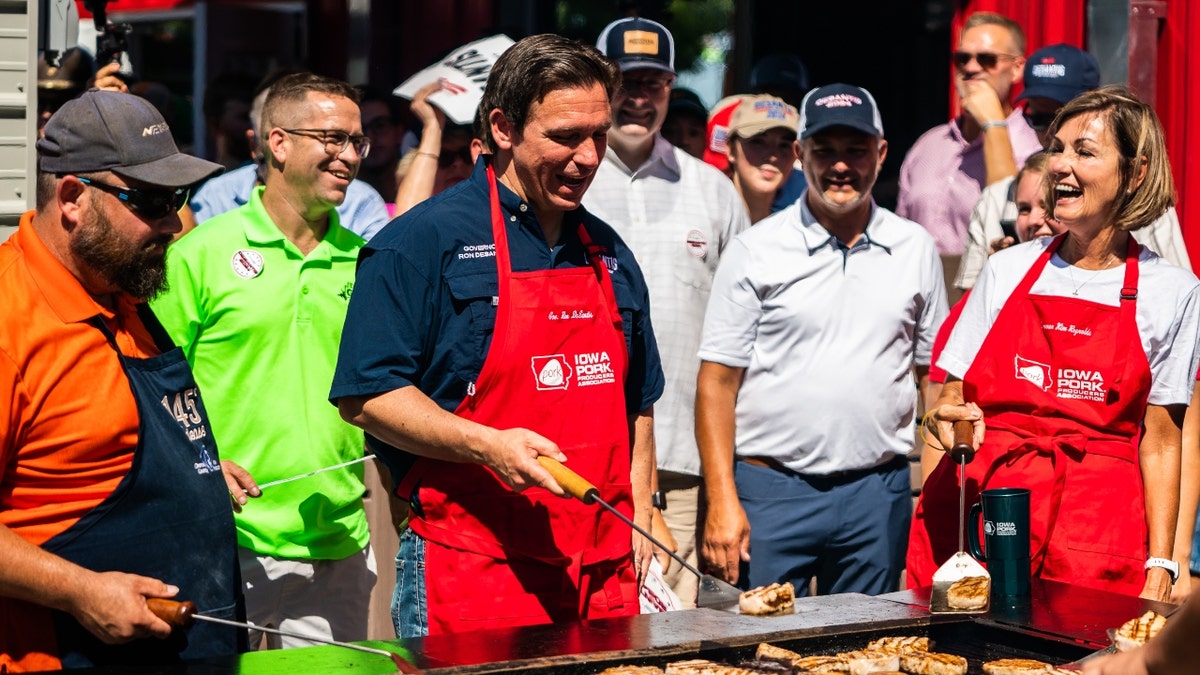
<point>1057,623</point>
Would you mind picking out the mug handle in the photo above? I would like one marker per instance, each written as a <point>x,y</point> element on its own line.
<point>973,532</point>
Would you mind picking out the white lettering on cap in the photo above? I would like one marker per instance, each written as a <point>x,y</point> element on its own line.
<point>155,129</point>
<point>838,101</point>
<point>1049,70</point>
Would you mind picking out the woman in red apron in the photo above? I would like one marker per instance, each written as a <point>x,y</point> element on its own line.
<point>1064,382</point>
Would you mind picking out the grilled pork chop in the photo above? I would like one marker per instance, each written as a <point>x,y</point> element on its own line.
<point>771,599</point>
<point>900,644</point>
<point>933,663</point>
<point>1135,632</point>
<point>969,593</point>
<point>1015,667</point>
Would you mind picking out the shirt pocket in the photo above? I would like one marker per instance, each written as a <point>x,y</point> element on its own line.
<point>629,305</point>
<point>473,301</point>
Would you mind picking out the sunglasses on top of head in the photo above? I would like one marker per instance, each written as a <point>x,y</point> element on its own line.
<point>153,203</point>
<point>986,60</point>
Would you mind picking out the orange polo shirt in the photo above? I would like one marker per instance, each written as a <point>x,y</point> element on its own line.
<point>68,421</point>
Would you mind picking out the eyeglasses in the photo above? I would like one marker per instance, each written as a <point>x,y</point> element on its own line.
<point>335,140</point>
<point>1039,121</point>
<point>151,203</point>
<point>652,86</point>
<point>986,60</point>
<point>447,157</point>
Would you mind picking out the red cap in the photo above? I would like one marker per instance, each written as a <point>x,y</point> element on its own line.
<point>718,131</point>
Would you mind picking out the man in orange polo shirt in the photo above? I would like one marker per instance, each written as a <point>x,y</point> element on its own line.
<point>111,491</point>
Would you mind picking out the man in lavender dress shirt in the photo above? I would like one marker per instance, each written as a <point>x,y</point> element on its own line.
<point>945,170</point>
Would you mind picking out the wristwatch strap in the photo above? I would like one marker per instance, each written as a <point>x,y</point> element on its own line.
<point>1170,566</point>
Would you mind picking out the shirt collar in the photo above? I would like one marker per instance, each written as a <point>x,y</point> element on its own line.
<point>338,243</point>
<point>662,154</point>
<point>513,206</point>
<point>816,237</point>
<point>65,295</point>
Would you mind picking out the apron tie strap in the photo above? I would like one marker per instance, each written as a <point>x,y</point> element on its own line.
<point>1061,449</point>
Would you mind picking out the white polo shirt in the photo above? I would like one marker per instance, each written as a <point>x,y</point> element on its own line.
<point>677,214</point>
<point>828,337</point>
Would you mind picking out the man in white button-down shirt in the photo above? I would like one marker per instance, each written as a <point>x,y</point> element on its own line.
<point>676,213</point>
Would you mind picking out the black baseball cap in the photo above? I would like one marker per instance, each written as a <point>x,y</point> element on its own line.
<point>839,105</point>
<point>638,43</point>
<point>121,133</point>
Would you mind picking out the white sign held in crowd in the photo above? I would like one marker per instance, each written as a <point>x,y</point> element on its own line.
<point>463,74</point>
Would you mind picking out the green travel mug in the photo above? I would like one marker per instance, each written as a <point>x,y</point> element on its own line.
<point>1005,514</point>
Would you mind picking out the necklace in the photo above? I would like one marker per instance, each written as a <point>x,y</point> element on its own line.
<point>1093,275</point>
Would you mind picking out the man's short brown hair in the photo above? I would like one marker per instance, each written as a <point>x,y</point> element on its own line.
<point>993,19</point>
<point>537,65</point>
<point>291,91</point>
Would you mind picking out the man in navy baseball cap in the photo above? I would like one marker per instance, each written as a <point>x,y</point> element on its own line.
<point>1053,76</point>
<point>839,105</point>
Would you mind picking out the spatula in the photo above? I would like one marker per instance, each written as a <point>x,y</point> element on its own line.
<point>961,565</point>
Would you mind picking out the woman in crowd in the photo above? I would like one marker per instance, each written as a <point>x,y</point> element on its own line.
<point>762,151</point>
<point>1072,350</point>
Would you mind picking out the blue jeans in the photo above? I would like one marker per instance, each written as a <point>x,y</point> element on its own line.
<point>410,612</point>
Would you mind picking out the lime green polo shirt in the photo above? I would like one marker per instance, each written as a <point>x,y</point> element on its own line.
<point>260,324</point>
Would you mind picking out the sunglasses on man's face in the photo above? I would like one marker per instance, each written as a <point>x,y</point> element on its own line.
<point>447,157</point>
<point>986,60</point>
<point>1039,121</point>
<point>152,203</point>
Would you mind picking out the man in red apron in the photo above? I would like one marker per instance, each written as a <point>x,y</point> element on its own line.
<point>111,490</point>
<point>491,325</point>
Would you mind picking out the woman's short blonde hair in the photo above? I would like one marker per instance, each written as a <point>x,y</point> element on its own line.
<point>1139,138</point>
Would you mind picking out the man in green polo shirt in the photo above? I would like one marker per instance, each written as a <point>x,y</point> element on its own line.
<point>256,298</point>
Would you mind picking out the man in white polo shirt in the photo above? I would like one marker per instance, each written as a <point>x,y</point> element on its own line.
<point>677,214</point>
<point>819,317</point>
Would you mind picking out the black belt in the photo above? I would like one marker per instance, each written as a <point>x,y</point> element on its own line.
<point>834,477</point>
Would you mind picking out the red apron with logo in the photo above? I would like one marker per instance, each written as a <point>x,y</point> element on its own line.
<point>556,366</point>
<point>1063,385</point>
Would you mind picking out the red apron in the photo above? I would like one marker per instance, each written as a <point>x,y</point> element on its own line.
<point>1063,385</point>
<point>556,366</point>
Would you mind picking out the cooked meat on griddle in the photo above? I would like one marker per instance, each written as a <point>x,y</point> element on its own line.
<point>969,593</point>
<point>865,662</point>
<point>932,663</point>
<point>704,667</point>
<point>772,599</point>
<point>1135,632</point>
<point>1015,667</point>
<point>900,644</point>
<point>632,670</point>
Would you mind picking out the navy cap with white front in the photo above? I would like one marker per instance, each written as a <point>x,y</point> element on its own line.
<point>638,43</point>
<point>839,105</point>
<point>1060,73</point>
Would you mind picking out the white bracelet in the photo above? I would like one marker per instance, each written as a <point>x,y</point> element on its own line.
<point>994,123</point>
